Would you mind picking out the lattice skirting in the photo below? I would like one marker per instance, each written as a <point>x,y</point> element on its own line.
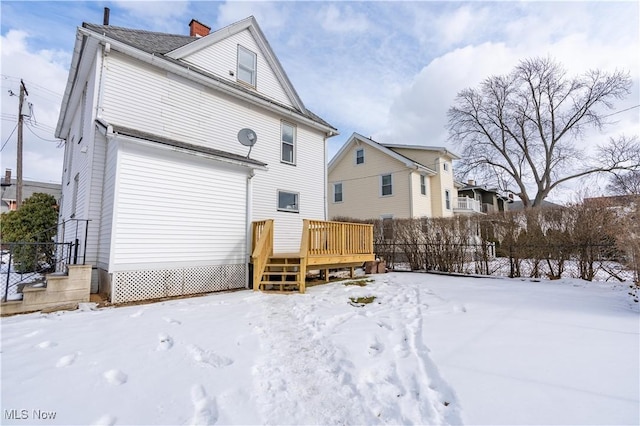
<point>129,286</point>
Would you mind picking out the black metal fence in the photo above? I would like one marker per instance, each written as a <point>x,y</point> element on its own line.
<point>597,262</point>
<point>28,262</point>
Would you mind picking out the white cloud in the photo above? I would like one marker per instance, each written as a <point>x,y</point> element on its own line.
<point>342,19</point>
<point>45,78</point>
<point>270,16</point>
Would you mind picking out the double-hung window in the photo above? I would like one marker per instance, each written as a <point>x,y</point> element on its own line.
<point>247,61</point>
<point>288,201</point>
<point>423,184</point>
<point>447,199</point>
<point>337,192</point>
<point>288,143</point>
<point>360,156</point>
<point>386,185</point>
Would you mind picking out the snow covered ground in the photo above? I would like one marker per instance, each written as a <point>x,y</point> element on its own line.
<point>428,350</point>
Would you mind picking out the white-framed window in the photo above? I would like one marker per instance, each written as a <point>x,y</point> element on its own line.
<point>247,61</point>
<point>360,156</point>
<point>423,184</point>
<point>288,201</point>
<point>386,185</point>
<point>447,199</point>
<point>288,143</point>
<point>337,192</point>
<point>83,109</point>
<point>74,200</point>
<point>68,152</point>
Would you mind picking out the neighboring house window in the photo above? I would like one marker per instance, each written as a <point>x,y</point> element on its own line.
<point>423,184</point>
<point>386,186</point>
<point>360,156</point>
<point>246,66</point>
<point>69,159</point>
<point>288,201</point>
<point>83,107</point>
<point>387,228</point>
<point>288,143</point>
<point>445,166</point>
<point>447,199</point>
<point>337,192</point>
<point>74,200</point>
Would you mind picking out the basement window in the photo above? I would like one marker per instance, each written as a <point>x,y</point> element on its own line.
<point>288,201</point>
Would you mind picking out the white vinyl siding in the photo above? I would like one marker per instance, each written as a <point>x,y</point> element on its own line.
<point>194,216</point>
<point>107,195</point>
<point>221,59</point>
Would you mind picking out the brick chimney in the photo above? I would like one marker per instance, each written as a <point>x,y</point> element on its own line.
<point>198,29</point>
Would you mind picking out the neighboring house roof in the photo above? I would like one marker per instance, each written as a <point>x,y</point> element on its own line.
<point>517,205</point>
<point>614,200</point>
<point>29,187</point>
<point>120,130</point>
<point>355,137</point>
<point>484,188</point>
<point>172,47</point>
<point>440,149</point>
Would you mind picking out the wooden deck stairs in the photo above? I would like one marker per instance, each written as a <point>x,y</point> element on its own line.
<point>323,245</point>
<point>282,274</point>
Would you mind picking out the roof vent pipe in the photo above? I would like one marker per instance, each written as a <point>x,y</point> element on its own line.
<point>105,19</point>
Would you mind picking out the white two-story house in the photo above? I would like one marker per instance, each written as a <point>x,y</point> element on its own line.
<point>153,159</point>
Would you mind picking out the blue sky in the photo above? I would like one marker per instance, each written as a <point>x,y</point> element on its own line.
<point>386,69</point>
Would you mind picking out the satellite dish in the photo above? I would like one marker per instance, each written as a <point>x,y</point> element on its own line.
<point>247,137</point>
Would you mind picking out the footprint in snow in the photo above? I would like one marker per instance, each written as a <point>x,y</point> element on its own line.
<point>166,342</point>
<point>459,309</point>
<point>105,421</point>
<point>208,357</point>
<point>46,344</point>
<point>33,333</point>
<point>172,321</point>
<point>66,360</point>
<point>137,314</point>
<point>375,348</point>
<point>382,324</point>
<point>115,377</point>
<point>205,409</point>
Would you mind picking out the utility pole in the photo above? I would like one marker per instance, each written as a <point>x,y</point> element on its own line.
<point>23,91</point>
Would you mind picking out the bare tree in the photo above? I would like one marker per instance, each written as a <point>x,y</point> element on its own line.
<point>523,130</point>
<point>627,183</point>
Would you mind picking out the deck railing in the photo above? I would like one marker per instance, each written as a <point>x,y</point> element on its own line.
<point>262,243</point>
<point>466,203</point>
<point>337,238</point>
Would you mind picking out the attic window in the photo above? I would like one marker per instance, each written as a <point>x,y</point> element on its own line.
<point>360,156</point>
<point>246,66</point>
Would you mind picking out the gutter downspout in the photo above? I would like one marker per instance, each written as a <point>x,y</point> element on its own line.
<point>411,194</point>
<point>248,218</point>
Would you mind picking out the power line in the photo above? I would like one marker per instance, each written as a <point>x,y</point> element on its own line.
<point>5,142</point>
<point>40,137</point>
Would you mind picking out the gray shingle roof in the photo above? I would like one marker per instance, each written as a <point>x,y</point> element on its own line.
<point>148,41</point>
<point>163,43</point>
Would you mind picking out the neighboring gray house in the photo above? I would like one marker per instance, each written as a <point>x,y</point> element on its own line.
<point>29,187</point>
<point>485,199</point>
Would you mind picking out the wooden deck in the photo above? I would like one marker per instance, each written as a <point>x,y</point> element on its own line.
<point>324,245</point>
